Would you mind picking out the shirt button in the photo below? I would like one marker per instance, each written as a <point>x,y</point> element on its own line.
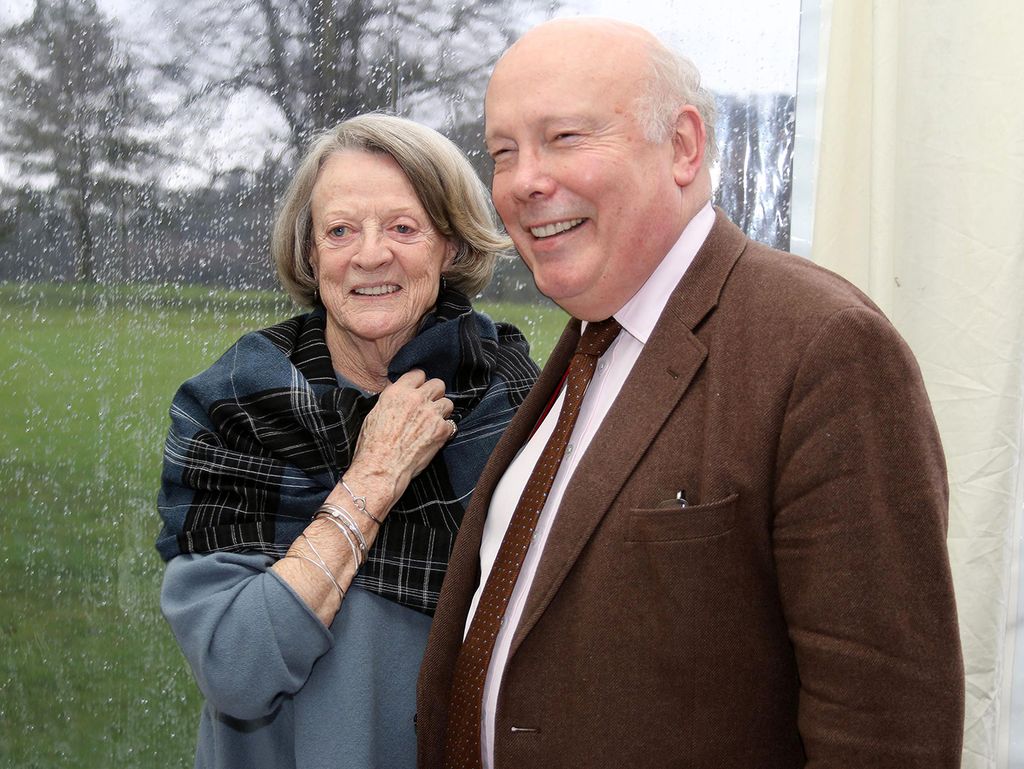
<point>568,449</point>
<point>600,366</point>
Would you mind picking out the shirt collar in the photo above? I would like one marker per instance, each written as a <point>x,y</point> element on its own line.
<point>639,315</point>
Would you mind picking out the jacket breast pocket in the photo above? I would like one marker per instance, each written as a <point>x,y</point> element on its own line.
<point>676,524</point>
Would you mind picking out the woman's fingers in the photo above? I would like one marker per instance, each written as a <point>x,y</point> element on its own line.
<point>432,390</point>
<point>411,378</point>
<point>407,426</point>
<point>416,380</point>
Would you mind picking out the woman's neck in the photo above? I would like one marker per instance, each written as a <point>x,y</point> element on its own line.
<point>362,362</point>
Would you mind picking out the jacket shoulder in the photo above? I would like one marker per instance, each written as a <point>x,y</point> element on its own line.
<point>784,280</point>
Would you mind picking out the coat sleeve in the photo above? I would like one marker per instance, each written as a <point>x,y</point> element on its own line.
<point>860,546</point>
<point>249,639</point>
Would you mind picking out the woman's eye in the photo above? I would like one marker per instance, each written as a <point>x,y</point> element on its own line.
<point>404,229</point>
<point>340,231</point>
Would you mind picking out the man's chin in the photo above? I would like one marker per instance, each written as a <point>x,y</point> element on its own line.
<point>570,298</point>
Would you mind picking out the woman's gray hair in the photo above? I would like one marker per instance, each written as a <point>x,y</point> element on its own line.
<point>674,82</point>
<point>448,188</point>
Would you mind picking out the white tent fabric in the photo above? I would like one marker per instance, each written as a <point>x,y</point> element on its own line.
<point>920,202</point>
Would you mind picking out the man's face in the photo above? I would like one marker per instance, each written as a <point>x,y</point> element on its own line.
<point>591,205</point>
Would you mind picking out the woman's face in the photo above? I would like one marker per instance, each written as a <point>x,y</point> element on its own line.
<point>376,255</point>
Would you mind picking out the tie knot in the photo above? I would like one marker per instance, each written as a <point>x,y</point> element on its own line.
<point>598,336</point>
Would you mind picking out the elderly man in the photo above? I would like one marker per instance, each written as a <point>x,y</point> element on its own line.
<point>721,542</point>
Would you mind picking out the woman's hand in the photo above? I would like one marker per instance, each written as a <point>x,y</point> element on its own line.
<point>399,437</point>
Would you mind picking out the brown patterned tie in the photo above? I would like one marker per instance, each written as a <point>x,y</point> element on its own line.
<point>462,747</point>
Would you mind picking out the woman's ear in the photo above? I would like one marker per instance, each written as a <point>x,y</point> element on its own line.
<point>450,252</point>
<point>312,260</point>
<point>688,142</point>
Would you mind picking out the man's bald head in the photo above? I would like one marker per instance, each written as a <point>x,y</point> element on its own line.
<point>669,79</point>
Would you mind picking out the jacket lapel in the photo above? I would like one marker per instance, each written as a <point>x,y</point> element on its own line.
<point>659,379</point>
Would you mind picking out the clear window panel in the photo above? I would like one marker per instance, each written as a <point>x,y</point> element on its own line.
<point>143,148</point>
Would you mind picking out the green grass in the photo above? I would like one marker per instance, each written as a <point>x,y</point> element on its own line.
<point>89,674</point>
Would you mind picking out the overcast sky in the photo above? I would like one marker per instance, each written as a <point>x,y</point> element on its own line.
<point>739,45</point>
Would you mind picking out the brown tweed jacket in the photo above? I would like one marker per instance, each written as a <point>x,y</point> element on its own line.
<point>799,613</point>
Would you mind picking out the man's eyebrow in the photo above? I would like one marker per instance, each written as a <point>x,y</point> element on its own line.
<point>547,121</point>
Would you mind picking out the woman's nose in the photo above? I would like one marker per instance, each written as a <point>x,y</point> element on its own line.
<point>374,251</point>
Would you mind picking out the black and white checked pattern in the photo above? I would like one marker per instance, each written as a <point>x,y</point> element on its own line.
<point>246,472</point>
<point>462,748</point>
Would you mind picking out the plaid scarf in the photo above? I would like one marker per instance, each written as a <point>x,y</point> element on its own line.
<point>258,440</point>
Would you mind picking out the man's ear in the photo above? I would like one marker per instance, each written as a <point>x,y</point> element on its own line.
<point>688,142</point>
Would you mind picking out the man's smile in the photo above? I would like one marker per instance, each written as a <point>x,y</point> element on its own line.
<point>555,228</point>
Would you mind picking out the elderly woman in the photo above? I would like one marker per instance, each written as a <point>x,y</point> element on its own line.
<point>315,476</point>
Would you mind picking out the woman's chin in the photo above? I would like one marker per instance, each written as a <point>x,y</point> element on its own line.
<point>384,333</point>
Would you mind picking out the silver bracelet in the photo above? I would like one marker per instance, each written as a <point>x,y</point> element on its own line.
<point>357,556</point>
<point>348,536</point>
<point>346,528</point>
<point>337,511</point>
<point>323,568</point>
<point>311,546</point>
<point>360,504</point>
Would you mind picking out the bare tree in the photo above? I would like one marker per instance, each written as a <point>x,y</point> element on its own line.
<point>71,116</point>
<point>320,61</point>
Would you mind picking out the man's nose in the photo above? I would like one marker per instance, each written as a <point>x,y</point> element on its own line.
<point>532,176</point>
